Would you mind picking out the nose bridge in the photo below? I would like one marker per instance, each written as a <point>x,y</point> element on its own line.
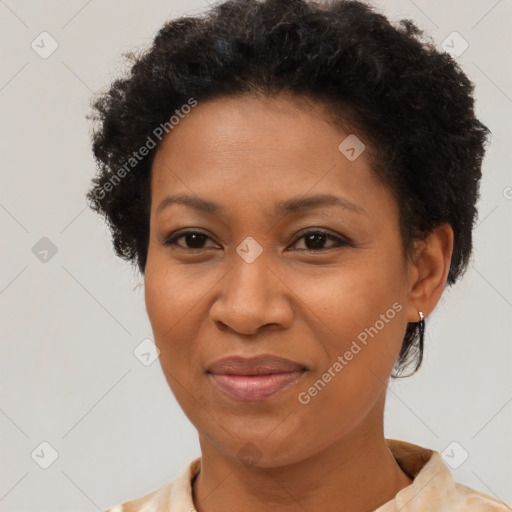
<point>249,280</point>
<point>250,271</point>
<point>249,294</point>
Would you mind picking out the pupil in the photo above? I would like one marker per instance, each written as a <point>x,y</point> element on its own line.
<point>199,239</point>
<point>319,238</point>
<point>313,241</point>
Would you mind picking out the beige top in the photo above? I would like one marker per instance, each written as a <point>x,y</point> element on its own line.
<point>433,488</point>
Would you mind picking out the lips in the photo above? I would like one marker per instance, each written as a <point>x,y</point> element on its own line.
<point>256,378</point>
<point>260,365</point>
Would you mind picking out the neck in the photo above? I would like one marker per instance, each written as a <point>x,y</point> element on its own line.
<point>357,473</point>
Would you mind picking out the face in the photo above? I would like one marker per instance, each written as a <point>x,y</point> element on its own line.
<point>323,284</point>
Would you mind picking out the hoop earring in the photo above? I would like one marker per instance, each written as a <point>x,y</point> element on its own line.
<point>422,321</point>
<point>421,327</point>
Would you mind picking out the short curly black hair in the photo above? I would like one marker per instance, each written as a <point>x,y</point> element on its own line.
<point>411,103</point>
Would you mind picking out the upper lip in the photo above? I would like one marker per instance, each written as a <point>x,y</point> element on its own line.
<point>258,365</point>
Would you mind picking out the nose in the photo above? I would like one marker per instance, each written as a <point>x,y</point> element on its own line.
<point>252,295</point>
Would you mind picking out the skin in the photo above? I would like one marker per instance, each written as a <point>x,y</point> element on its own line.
<point>205,302</point>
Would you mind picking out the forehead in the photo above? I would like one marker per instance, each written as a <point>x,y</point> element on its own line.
<point>236,124</point>
<point>253,149</point>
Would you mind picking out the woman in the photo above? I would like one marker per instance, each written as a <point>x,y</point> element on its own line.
<point>297,184</point>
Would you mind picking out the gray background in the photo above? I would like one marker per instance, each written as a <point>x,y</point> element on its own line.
<point>70,324</point>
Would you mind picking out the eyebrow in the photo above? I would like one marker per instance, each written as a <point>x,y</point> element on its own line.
<point>288,207</point>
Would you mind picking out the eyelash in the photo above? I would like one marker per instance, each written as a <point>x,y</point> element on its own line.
<point>172,239</point>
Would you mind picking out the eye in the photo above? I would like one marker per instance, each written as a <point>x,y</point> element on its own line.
<point>194,238</point>
<point>315,239</point>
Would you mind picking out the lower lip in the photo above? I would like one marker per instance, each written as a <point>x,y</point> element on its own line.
<point>255,387</point>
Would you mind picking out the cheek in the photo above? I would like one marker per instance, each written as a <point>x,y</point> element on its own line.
<point>169,299</point>
<point>174,297</point>
<point>354,297</point>
<point>171,293</point>
<point>171,303</point>
<point>360,320</point>
<point>343,390</point>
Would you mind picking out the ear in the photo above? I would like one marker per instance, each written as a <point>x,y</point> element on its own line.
<point>428,271</point>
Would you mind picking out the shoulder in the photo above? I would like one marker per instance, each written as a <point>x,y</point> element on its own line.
<point>171,497</point>
<point>153,501</point>
<point>433,487</point>
<point>465,498</point>
<point>448,494</point>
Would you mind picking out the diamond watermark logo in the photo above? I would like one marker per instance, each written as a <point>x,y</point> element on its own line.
<point>455,44</point>
<point>44,250</point>
<point>44,45</point>
<point>249,454</point>
<point>44,455</point>
<point>146,352</point>
<point>454,455</point>
<point>249,249</point>
<point>351,147</point>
